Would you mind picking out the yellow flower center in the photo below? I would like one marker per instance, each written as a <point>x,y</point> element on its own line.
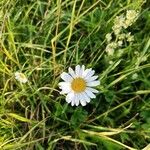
<point>22,76</point>
<point>78,85</point>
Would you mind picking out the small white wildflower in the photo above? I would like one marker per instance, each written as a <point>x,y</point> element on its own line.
<point>113,45</point>
<point>116,30</point>
<point>108,37</point>
<point>130,38</point>
<point>127,23</point>
<point>20,77</point>
<point>110,51</point>
<point>78,85</point>
<point>119,21</point>
<point>120,43</point>
<point>134,76</point>
<point>131,16</point>
<point>118,24</point>
<point>110,48</point>
<point>121,36</point>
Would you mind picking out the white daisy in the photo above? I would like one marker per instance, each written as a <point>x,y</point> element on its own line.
<point>78,85</point>
<point>20,77</point>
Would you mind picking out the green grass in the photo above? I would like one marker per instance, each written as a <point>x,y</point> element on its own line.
<point>42,38</point>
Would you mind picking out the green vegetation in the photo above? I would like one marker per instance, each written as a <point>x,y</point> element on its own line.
<point>42,38</point>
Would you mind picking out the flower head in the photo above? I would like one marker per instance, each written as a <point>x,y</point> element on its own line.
<point>110,48</point>
<point>120,43</point>
<point>78,85</point>
<point>108,37</point>
<point>129,37</point>
<point>122,36</point>
<point>131,16</point>
<point>20,77</point>
<point>118,24</point>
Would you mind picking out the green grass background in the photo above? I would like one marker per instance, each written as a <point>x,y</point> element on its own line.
<point>42,38</point>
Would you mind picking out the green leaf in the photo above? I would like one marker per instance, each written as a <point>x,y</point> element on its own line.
<point>20,118</point>
<point>78,117</point>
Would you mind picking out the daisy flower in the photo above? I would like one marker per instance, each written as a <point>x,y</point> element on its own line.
<point>78,85</point>
<point>20,77</point>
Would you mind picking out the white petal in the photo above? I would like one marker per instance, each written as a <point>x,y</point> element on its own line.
<point>82,70</point>
<point>82,99</point>
<point>17,73</point>
<point>64,91</point>
<point>85,97</point>
<point>72,73</point>
<point>86,72</point>
<point>66,77</point>
<point>90,94</point>
<point>24,80</point>
<point>65,86</point>
<point>77,100</point>
<point>70,97</point>
<point>73,100</point>
<point>77,70</point>
<point>93,83</point>
<point>92,90</point>
<point>89,74</point>
<point>17,77</point>
<point>89,79</point>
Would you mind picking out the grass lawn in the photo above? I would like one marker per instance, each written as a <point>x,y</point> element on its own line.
<point>41,39</point>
